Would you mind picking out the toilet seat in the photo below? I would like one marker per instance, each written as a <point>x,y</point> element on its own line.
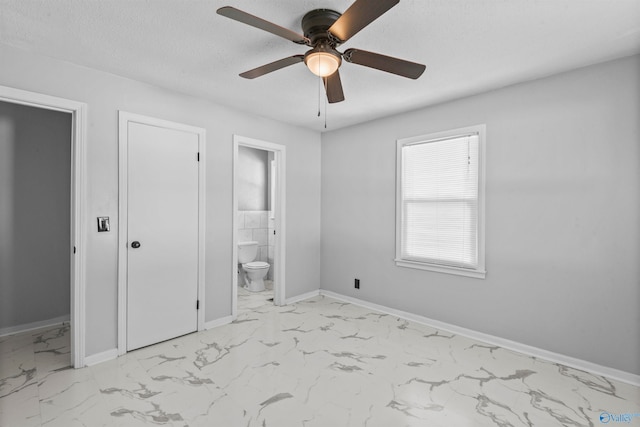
<point>256,265</point>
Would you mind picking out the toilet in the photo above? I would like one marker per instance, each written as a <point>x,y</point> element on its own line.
<point>251,274</point>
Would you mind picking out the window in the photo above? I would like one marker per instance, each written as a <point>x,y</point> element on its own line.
<point>440,202</point>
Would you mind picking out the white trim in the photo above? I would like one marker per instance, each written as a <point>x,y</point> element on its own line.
<point>478,274</point>
<point>480,271</point>
<point>234,235</point>
<point>550,356</point>
<point>123,195</point>
<point>78,111</point>
<point>28,327</point>
<point>218,322</point>
<point>280,155</point>
<point>105,356</point>
<point>202,221</point>
<point>123,120</point>
<point>302,297</point>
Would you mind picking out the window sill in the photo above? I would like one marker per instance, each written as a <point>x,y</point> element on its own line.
<point>478,274</point>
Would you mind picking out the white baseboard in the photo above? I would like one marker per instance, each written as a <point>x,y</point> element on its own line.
<point>218,322</point>
<point>12,330</point>
<point>94,359</point>
<point>302,297</point>
<point>550,356</point>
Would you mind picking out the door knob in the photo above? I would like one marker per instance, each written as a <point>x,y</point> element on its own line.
<point>135,244</point>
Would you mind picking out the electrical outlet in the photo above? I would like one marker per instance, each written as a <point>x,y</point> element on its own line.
<point>357,283</point>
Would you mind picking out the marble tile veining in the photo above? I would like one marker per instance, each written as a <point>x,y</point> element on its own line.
<point>317,363</point>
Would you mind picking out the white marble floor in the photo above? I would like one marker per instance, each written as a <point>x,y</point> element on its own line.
<point>317,363</point>
<point>247,301</point>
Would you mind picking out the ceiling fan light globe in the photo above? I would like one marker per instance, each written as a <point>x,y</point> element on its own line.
<point>322,64</point>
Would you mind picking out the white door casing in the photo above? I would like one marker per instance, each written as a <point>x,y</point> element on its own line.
<point>161,208</point>
<point>279,213</point>
<point>78,111</point>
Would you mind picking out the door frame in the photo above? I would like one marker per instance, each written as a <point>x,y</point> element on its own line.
<point>78,208</point>
<point>124,118</point>
<point>279,152</point>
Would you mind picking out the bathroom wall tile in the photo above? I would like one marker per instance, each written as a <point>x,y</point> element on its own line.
<point>271,237</point>
<point>270,252</point>
<point>252,219</point>
<point>240,220</point>
<point>272,221</point>
<point>260,236</point>
<point>264,219</point>
<point>245,235</point>
<point>264,253</point>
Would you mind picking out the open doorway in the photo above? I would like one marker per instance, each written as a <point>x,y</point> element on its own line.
<point>258,222</point>
<point>30,122</point>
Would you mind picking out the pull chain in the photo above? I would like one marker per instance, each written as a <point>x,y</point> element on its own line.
<point>325,112</point>
<point>320,84</point>
<point>319,94</point>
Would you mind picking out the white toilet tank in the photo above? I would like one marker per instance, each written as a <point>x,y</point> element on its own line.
<point>247,251</point>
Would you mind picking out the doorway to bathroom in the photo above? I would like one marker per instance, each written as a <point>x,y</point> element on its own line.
<point>258,223</point>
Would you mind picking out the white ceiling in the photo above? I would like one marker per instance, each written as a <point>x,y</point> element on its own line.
<point>468,46</point>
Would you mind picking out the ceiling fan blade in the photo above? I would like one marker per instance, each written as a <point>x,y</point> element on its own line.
<point>333,86</point>
<point>380,62</point>
<point>273,66</point>
<point>360,14</point>
<point>254,21</point>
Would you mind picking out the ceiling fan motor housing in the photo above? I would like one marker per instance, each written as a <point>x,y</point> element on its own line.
<point>315,25</point>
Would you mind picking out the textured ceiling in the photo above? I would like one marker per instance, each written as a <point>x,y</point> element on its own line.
<point>468,46</point>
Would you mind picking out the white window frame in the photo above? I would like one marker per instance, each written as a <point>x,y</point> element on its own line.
<point>480,271</point>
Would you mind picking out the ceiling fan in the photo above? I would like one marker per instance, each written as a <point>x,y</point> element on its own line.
<point>324,30</point>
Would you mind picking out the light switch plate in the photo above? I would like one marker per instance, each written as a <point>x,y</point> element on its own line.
<point>103,224</point>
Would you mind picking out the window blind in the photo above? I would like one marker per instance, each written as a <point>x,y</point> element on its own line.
<point>439,201</point>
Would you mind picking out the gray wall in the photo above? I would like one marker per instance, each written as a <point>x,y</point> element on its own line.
<point>563,215</point>
<point>35,169</point>
<point>562,207</point>
<point>253,179</point>
<point>105,94</point>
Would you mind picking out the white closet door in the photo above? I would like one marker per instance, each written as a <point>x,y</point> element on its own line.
<point>162,234</point>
